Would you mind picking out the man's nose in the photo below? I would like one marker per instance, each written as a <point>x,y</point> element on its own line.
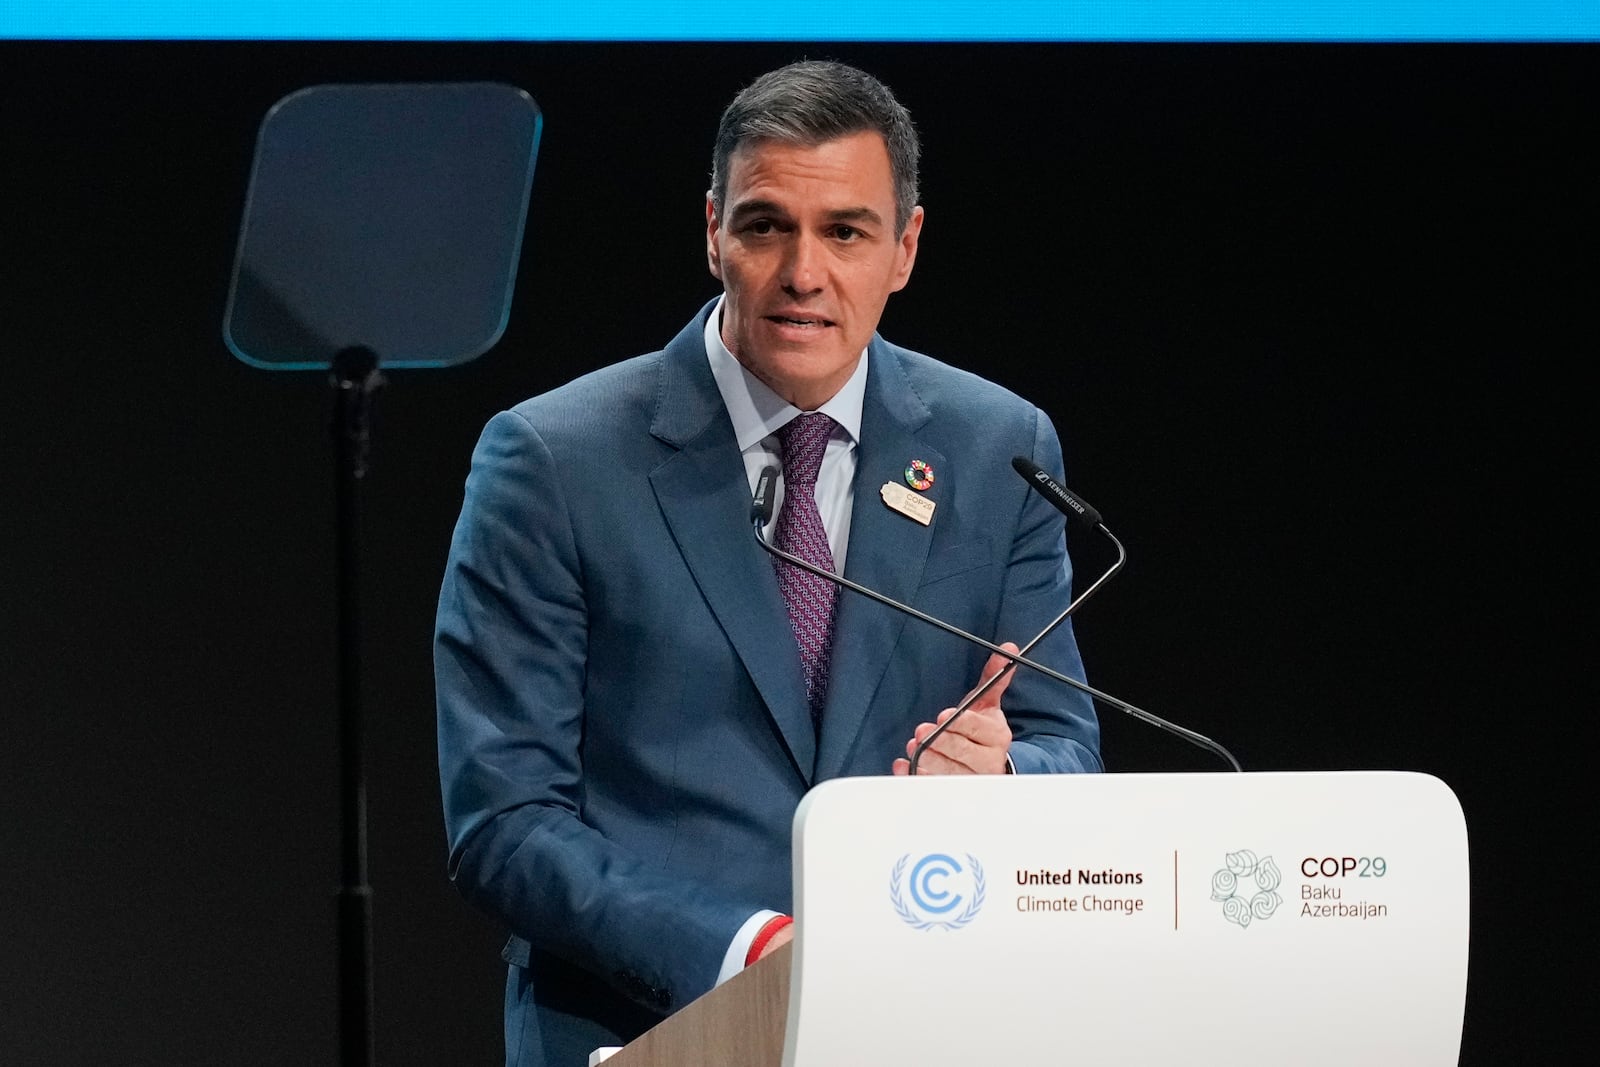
<point>803,269</point>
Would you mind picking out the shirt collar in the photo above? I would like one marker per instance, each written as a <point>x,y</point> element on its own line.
<point>757,412</point>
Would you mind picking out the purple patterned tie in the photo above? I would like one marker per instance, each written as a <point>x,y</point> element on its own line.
<point>810,599</point>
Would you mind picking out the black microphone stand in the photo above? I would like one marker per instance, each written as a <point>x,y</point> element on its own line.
<point>355,379</point>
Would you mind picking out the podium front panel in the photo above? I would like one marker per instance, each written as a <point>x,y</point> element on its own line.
<point>1312,918</point>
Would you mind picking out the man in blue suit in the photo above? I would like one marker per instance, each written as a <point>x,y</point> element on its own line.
<point>633,696</point>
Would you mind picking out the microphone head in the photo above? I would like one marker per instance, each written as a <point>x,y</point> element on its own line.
<point>1066,503</point>
<point>766,493</point>
<point>1025,466</point>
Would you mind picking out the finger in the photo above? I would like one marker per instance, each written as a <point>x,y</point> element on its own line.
<point>985,728</point>
<point>921,734</point>
<point>984,731</point>
<point>951,752</point>
<point>938,760</point>
<point>971,729</point>
<point>996,664</point>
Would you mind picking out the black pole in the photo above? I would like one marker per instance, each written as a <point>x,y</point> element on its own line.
<point>355,378</point>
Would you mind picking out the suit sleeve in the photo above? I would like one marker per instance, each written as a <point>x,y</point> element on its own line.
<point>509,655</point>
<point>1054,727</point>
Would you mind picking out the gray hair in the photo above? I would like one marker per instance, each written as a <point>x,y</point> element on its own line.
<point>809,103</point>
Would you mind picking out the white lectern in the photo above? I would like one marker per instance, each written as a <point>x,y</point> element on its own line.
<point>1307,918</point>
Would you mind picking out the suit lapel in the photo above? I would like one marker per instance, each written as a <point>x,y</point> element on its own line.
<point>887,553</point>
<point>699,488</point>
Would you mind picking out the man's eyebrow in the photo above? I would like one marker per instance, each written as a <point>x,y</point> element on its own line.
<point>856,214</point>
<point>747,208</point>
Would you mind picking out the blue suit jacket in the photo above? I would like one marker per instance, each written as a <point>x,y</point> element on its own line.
<point>623,728</point>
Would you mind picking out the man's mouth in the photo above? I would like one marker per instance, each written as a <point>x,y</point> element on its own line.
<point>800,320</point>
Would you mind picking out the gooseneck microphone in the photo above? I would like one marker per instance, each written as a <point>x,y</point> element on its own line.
<point>1066,503</point>
<point>1085,515</point>
<point>761,514</point>
<point>1075,508</point>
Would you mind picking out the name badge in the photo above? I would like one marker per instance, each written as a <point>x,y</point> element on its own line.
<point>911,505</point>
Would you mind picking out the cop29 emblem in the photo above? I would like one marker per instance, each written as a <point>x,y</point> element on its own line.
<point>939,893</point>
<point>1247,887</point>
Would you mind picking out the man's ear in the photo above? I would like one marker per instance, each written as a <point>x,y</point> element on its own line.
<point>713,227</point>
<point>907,250</point>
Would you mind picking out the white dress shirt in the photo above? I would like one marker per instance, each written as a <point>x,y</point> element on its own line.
<point>758,414</point>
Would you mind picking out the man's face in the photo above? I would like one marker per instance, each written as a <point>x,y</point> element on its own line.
<point>807,254</point>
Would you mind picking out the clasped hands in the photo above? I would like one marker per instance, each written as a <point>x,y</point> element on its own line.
<point>978,741</point>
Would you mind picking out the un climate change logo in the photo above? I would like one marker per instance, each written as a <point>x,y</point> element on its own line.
<point>1228,888</point>
<point>937,886</point>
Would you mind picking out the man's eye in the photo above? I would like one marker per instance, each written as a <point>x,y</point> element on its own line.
<point>760,227</point>
<point>846,233</point>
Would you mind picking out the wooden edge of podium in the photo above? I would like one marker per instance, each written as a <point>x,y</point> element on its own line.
<point>740,1023</point>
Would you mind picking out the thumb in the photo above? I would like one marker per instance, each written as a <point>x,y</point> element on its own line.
<point>996,664</point>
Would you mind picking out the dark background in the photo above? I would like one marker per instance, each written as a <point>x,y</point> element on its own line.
<point>1313,322</point>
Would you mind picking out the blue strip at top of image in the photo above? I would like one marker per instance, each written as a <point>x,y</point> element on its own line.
<point>820,20</point>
